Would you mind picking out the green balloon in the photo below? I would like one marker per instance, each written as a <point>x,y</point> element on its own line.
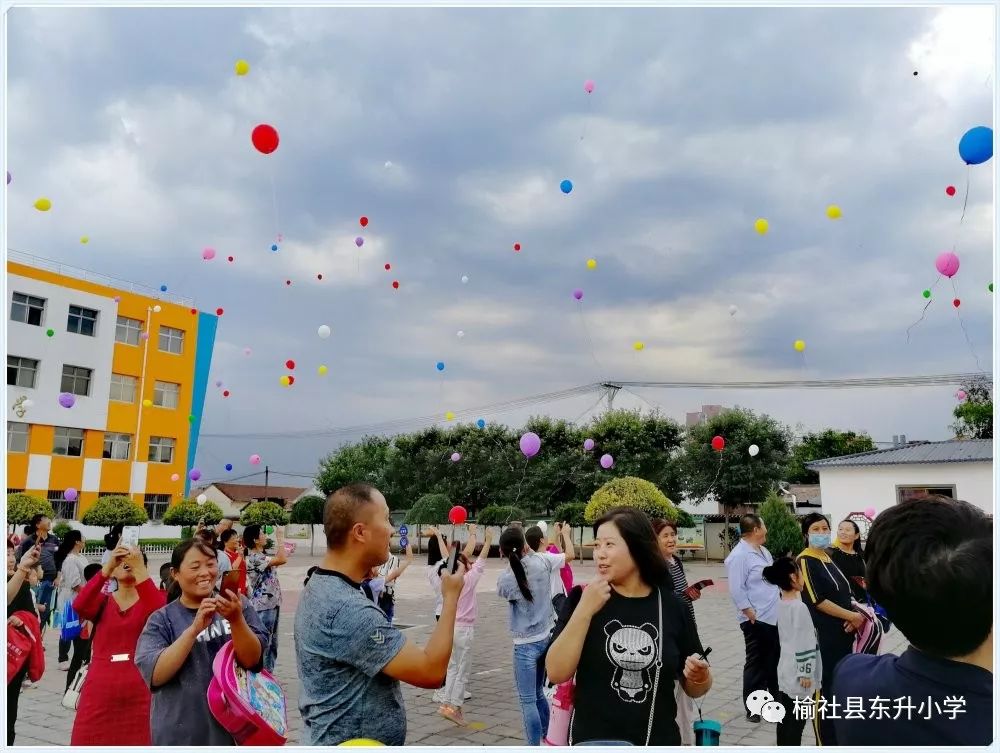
<point>50,332</point>
<point>190,419</point>
<point>991,287</point>
<point>927,294</point>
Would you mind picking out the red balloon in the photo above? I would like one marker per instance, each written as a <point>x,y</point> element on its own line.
<point>194,311</point>
<point>458,515</point>
<point>950,190</point>
<point>290,364</point>
<point>264,138</point>
<point>718,443</point>
<point>956,303</point>
<point>395,284</point>
<point>319,277</point>
<point>388,267</point>
<point>291,380</point>
<point>225,393</point>
<point>230,258</point>
<point>364,222</point>
<point>288,282</point>
<point>517,246</point>
<point>219,312</point>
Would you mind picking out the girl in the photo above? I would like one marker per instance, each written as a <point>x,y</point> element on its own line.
<point>800,668</point>
<point>263,586</point>
<point>179,644</point>
<point>230,541</point>
<point>625,638</point>
<point>114,702</point>
<point>70,562</point>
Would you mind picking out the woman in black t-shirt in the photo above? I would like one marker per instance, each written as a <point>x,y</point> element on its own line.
<point>626,637</point>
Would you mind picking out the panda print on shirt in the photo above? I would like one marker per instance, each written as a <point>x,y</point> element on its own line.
<point>633,652</point>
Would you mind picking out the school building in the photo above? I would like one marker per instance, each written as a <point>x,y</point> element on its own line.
<point>131,362</point>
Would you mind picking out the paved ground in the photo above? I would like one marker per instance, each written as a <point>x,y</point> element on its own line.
<point>493,711</point>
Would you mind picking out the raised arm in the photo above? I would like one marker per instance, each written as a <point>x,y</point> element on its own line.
<point>442,544</point>
<point>484,553</point>
<point>566,534</point>
<point>401,568</point>
<point>470,545</point>
<point>281,556</point>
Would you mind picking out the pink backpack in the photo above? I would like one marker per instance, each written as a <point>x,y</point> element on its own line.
<point>250,706</point>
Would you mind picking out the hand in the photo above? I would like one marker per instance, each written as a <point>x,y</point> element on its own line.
<point>751,614</point>
<point>473,529</point>
<point>854,623</point>
<point>31,558</point>
<point>692,593</point>
<point>203,617</point>
<point>15,621</point>
<point>134,562</point>
<point>229,606</point>
<point>805,682</point>
<point>595,596</point>
<point>452,583</point>
<point>409,552</point>
<point>696,670</point>
<point>559,527</point>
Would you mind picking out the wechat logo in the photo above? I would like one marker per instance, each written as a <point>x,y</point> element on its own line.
<point>762,703</point>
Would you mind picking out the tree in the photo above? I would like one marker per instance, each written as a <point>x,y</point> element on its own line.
<point>630,491</point>
<point>974,414</point>
<point>364,462</point>
<point>264,514</point>
<point>114,510</point>
<point>826,444</point>
<point>573,513</point>
<point>430,509</point>
<point>784,535</point>
<point>685,520</point>
<point>500,515</point>
<point>308,511</point>
<point>188,512</point>
<point>21,508</point>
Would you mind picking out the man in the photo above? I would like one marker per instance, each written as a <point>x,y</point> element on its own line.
<point>350,659</point>
<point>756,603</point>
<point>48,544</point>
<point>930,566</point>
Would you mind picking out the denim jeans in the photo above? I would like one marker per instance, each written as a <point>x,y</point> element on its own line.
<point>529,679</point>
<point>43,593</point>
<point>270,619</point>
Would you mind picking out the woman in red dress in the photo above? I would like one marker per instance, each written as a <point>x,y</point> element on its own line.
<point>114,703</point>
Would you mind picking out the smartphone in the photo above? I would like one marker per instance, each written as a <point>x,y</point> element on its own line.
<point>702,584</point>
<point>130,537</point>
<point>230,582</point>
<point>453,558</point>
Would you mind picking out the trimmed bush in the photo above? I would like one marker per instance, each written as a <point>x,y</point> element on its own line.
<point>630,491</point>
<point>573,513</point>
<point>500,515</point>
<point>115,510</point>
<point>430,509</point>
<point>188,512</point>
<point>308,511</point>
<point>264,514</point>
<point>21,508</point>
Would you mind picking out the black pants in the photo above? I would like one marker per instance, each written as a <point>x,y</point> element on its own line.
<point>763,649</point>
<point>790,728</point>
<point>81,656</point>
<point>13,696</point>
<point>834,645</point>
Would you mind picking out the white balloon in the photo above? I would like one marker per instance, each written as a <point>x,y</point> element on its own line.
<point>544,526</point>
<point>157,309</point>
<point>465,279</point>
<point>202,499</point>
<point>388,165</point>
<point>461,333</point>
<point>753,450</point>
<point>323,331</point>
<point>733,310</point>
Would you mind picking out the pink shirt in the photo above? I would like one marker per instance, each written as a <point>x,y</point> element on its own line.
<point>467,605</point>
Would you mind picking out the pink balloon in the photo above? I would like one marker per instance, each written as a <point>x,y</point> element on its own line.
<point>208,253</point>
<point>530,443</point>
<point>175,477</point>
<point>870,513</point>
<point>255,459</point>
<point>588,86</point>
<point>947,263</point>
<point>961,395</point>
<point>607,461</point>
<point>455,457</point>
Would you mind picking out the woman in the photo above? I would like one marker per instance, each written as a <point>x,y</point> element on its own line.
<point>83,645</point>
<point>263,586</point>
<point>827,594</point>
<point>526,585</point>
<point>18,600</point>
<point>114,702</point>
<point>666,537</point>
<point>846,552</point>
<point>70,563</point>
<point>179,644</point>
<point>230,541</point>
<point>625,638</point>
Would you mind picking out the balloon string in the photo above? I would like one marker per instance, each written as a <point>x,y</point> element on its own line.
<point>965,331</point>
<point>711,486</point>
<point>586,121</point>
<point>922,313</point>
<point>590,342</point>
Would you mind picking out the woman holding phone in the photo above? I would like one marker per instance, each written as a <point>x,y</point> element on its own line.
<point>263,586</point>
<point>114,702</point>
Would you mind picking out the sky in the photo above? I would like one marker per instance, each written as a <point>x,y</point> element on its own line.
<point>451,130</point>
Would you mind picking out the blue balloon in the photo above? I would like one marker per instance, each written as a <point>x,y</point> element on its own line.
<point>229,466</point>
<point>976,146</point>
<point>440,365</point>
<point>274,246</point>
<point>481,423</point>
<point>566,186</point>
<point>163,288</point>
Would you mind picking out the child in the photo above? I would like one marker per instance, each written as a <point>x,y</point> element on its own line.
<point>800,667</point>
<point>165,578</point>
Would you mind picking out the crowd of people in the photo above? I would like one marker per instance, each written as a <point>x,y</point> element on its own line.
<point>615,661</point>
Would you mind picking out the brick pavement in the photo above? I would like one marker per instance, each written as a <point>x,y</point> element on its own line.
<point>493,711</point>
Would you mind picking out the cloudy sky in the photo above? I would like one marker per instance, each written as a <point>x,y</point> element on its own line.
<point>451,129</point>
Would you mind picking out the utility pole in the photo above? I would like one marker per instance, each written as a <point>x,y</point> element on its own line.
<point>267,474</point>
<point>610,391</point>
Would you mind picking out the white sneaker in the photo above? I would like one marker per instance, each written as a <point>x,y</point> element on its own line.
<point>64,666</point>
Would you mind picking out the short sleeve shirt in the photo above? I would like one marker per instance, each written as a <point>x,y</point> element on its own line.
<point>263,586</point>
<point>342,644</point>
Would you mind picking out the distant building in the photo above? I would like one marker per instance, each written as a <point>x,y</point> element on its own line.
<point>232,498</point>
<point>706,414</point>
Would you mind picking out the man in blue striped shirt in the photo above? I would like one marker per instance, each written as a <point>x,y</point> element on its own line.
<point>756,603</point>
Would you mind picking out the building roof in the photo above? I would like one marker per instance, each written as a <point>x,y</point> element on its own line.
<point>915,453</point>
<point>250,492</point>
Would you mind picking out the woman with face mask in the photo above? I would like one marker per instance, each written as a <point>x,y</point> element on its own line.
<point>827,593</point>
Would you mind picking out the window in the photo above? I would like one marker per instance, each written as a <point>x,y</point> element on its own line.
<point>113,494</point>
<point>63,508</point>
<point>76,379</point>
<point>21,372</point>
<point>171,340</point>
<point>906,493</point>
<point>27,309</point>
<point>128,330</point>
<point>123,388</point>
<point>117,446</point>
<point>156,505</point>
<point>68,442</point>
<point>161,450</point>
<point>81,321</point>
<point>17,437</point>
<point>11,490</point>
<point>166,394</point>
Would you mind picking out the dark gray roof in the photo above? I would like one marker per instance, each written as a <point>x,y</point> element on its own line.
<point>951,451</point>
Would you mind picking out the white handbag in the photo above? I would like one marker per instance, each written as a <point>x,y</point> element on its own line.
<point>71,699</point>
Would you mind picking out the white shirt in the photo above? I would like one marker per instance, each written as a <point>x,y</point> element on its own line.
<point>557,562</point>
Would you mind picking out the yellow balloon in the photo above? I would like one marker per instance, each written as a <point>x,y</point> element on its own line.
<point>361,743</point>
<point>638,345</point>
<point>761,226</point>
<point>242,67</point>
<point>147,403</point>
<point>43,204</point>
<point>285,381</point>
<point>85,239</point>
<point>833,212</point>
<point>800,345</point>
<point>449,416</point>
<point>322,369</point>
<point>591,263</point>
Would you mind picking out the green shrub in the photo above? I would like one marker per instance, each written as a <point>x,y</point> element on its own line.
<point>115,510</point>
<point>188,512</point>
<point>685,520</point>
<point>500,515</point>
<point>630,491</point>
<point>264,514</point>
<point>573,513</point>
<point>784,535</point>
<point>430,509</point>
<point>21,508</point>
<point>61,528</point>
<point>308,510</point>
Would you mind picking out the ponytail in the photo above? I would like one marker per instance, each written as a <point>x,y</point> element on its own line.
<point>68,543</point>
<point>511,545</point>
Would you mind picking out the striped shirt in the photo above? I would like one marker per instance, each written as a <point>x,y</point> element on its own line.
<point>680,583</point>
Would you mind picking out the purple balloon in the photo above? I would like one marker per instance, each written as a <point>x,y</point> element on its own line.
<point>455,457</point>
<point>588,444</point>
<point>67,400</point>
<point>218,382</point>
<point>70,494</point>
<point>194,474</point>
<point>8,177</point>
<point>359,241</point>
<point>607,461</point>
<point>531,443</point>
<point>578,294</point>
